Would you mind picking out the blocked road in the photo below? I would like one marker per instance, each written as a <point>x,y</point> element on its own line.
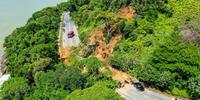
<point>129,92</point>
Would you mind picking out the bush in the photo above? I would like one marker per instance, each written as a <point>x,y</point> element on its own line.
<point>92,64</point>
<point>178,92</point>
<point>151,8</point>
<point>88,50</point>
<point>100,91</point>
<point>159,79</point>
<point>15,89</point>
<point>125,56</point>
<point>194,86</point>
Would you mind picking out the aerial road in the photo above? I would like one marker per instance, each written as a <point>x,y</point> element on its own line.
<point>68,26</point>
<point>129,92</point>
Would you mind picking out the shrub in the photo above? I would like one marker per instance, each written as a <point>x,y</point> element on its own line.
<point>194,86</point>
<point>92,64</point>
<point>100,91</point>
<point>15,88</point>
<point>178,92</point>
<point>152,76</point>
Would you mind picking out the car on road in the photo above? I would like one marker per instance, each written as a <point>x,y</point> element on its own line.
<point>139,86</point>
<point>70,34</point>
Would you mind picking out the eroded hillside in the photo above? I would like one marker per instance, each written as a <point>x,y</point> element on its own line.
<point>156,41</point>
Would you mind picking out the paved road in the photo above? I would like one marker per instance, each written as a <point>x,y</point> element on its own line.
<point>67,26</point>
<point>129,92</point>
<point>4,77</point>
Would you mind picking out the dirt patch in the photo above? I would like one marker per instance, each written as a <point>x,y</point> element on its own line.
<point>188,35</point>
<point>103,52</point>
<point>65,54</point>
<point>120,76</point>
<point>97,35</point>
<point>127,12</point>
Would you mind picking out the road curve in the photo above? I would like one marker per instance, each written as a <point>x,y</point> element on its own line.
<point>129,92</point>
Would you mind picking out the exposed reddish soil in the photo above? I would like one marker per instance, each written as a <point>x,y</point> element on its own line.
<point>97,35</point>
<point>103,51</point>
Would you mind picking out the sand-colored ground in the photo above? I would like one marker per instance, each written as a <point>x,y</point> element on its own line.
<point>127,12</point>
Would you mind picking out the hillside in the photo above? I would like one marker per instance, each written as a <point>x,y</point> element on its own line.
<point>155,41</point>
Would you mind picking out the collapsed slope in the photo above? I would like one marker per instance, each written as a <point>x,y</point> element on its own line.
<point>102,47</point>
<point>150,47</point>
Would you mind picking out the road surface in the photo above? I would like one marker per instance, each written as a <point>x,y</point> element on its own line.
<point>67,26</point>
<point>129,92</point>
<point>3,77</point>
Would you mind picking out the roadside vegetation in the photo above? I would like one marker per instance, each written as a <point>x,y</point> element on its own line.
<point>159,46</point>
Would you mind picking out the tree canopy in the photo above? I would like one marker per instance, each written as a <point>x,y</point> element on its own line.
<point>152,49</point>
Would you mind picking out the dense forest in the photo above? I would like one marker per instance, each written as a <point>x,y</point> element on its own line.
<point>159,46</point>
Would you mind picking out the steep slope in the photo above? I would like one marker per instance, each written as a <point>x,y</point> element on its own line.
<point>141,38</point>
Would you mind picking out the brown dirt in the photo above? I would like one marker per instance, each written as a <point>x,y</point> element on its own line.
<point>120,76</point>
<point>65,54</point>
<point>103,51</point>
<point>97,35</point>
<point>127,12</point>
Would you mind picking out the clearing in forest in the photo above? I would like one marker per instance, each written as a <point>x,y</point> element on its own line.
<point>127,12</point>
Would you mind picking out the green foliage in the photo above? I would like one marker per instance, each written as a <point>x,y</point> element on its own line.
<point>100,91</point>
<point>151,8</point>
<point>194,86</point>
<point>127,28</point>
<point>151,49</point>
<point>171,64</point>
<point>155,48</point>
<point>34,41</point>
<point>180,59</point>
<point>184,11</point>
<point>88,50</point>
<point>15,89</point>
<point>127,54</point>
<point>92,64</point>
<point>178,92</point>
<point>152,76</point>
<point>91,75</point>
<point>107,72</point>
<point>124,60</point>
<point>32,53</point>
<point>57,84</point>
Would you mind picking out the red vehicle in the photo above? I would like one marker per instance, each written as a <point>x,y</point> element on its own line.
<point>70,34</point>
